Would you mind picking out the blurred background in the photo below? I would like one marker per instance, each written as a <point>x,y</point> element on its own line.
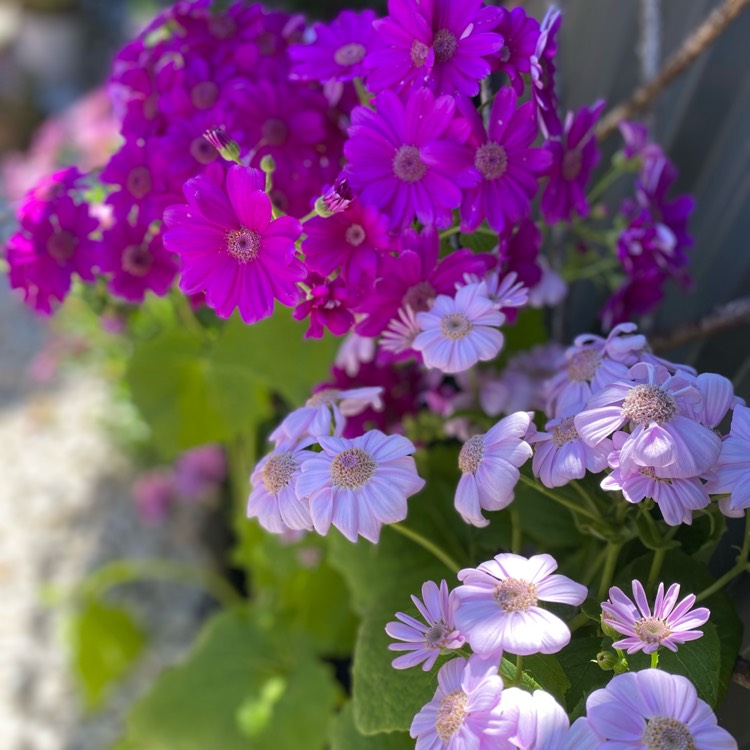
<point>65,487</point>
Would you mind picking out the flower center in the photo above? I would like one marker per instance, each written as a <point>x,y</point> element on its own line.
<point>202,151</point>
<point>419,297</point>
<point>564,433</point>
<point>204,94</point>
<point>355,235</point>
<point>444,44</point>
<point>137,260</point>
<point>408,165</point>
<point>455,326</point>
<point>571,164</point>
<point>664,733</point>
<point>583,365</point>
<point>352,468</point>
<point>515,595</point>
<point>278,471</point>
<point>491,161</point>
<point>650,472</point>
<point>471,454</point>
<point>61,246</point>
<point>648,403</point>
<point>451,714</point>
<point>275,131</point>
<point>349,54</point>
<point>651,629</point>
<point>419,53</point>
<point>243,244</point>
<point>139,182</point>
<point>326,397</point>
<point>435,634</point>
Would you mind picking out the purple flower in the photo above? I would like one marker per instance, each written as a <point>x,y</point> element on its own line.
<point>540,722</point>
<point>426,641</point>
<point>508,169</point>
<point>543,74</point>
<point>561,456</point>
<point>358,485</point>
<point>731,475</point>
<point>573,159</point>
<point>410,159</point>
<point>338,50</point>
<point>670,625</point>
<point>465,712</point>
<point>327,303</point>
<point>650,709</point>
<point>438,43</point>
<point>637,296</point>
<point>520,35</point>
<point>154,494</point>
<point>200,470</point>
<point>460,331</point>
<point>232,248</point>
<point>498,605</point>
<point>335,199</point>
<point>660,409</point>
<point>489,468</point>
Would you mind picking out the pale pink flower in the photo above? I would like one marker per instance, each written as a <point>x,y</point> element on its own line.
<point>354,351</point>
<point>540,721</point>
<point>731,474</point>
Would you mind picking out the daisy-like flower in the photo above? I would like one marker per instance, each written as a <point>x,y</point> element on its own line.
<point>401,332</point>
<point>660,409</point>
<point>561,456</point>
<point>543,70</point>
<point>520,34</point>
<point>654,709</point>
<point>460,331</point>
<point>232,248</point>
<point>410,159</point>
<point>731,475</point>
<point>489,468</point>
<point>273,498</point>
<point>540,721</point>
<point>426,641</point>
<point>358,485</point>
<point>338,50</point>
<point>499,608</point>
<point>669,625</point>
<point>325,413</point>
<point>465,712</point>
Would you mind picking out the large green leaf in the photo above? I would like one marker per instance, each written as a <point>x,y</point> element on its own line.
<point>578,662</point>
<point>346,737</point>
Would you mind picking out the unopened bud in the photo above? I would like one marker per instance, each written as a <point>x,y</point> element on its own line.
<point>608,630</point>
<point>607,660</point>
<point>220,140</point>
<point>335,200</point>
<point>267,164</point>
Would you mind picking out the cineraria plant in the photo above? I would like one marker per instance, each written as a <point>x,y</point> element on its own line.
<point>397,183</point>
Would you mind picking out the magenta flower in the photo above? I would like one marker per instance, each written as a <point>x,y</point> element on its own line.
<point>465,712</point>
<point>358,485</point>
<point>543,74</point>
<point>508,168</point>
<point>426,641</point>
<point>335,199</point>
<point>520,34</point>
<point>232,248</point>
<point>499,605</point>
<point>540,722</point>
<point>561,456</point>
<point>440,44</point>
<point>653,709</point>
<point>460,331</point>
<point>338,50</point>
<point>409,159</point>
<point>327,304</point>
<point>154,493</point>
<point>573,160</point>
<point>273,497</point>
<point>731,474</point>
<point>489,468</point>
<point>670,625</point>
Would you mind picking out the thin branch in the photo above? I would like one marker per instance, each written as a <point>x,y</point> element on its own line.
<point>691,48</point>
<point>731,315</point>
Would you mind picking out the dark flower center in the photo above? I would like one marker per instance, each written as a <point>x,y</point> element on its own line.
<point>408,165</point>
<point>137,260</point>
<point>665,733</point>
<point>355,235</point>
<point>444,44</point>
<point>243,244</point>
<point>204,94</point>
<point>571,164</point>
<point>648,403</point>
<point>349,54</point>
<point>275,131</point>
<point>352,468</point>
<point>419,297</point>
<point>61,246</point>
<point>435,634</point>
<point>491,160</point>
<point>139,182</point>
<point>419,53</point>
<point>202,151</point>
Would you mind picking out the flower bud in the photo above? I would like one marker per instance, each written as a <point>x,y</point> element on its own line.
<point>220,140</point>
<point>335,200</point>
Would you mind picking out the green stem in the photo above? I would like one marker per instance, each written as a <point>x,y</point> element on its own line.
<point>450,232</point>
<point>655,568</point>
<point>578,621</point>
<point>365,98</point>
<point>425,543</point>
<point>585,496</point>
<point>516,532</point>
<point>571,506</point>
<point>186,315</point>
<point>606,180</point>
<point>309,216</point>
<point>519,670</point>
<point>655,659</point>
<point>610,563</point>
<point>740,566</point>
<point>590,574</point>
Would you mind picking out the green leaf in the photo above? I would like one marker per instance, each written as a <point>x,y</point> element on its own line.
<point>546,670</point>
<point>346,737</point>
<point>480,242</point>
<point>583,675</point>
<point>104,642</point>
<point>241,680</point>
<point>544,520</point>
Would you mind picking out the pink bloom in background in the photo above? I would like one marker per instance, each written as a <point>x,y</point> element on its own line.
<point>273,498</point>
<point>460,331</point>
<point>653,709</point>
<point>41,199</point>
<point>543,74</point>
<point>507,167</point>
<point>670,624</point>
<point>574,158</point>
<point>520,34</point>
<point>355,350</point>
<point>540,721</point>
<point>409,159</point>
<point>325,413</point>
<point>358,485</point>
<point>731,475</point>
<point>425,641</point>
<point>231,246</point>
<point>489,468</point>
<point>338,50</point>
<point>499,605</point>
<point>561,456</point>
<point>200,470</point>
<point>399,337</point>
<point>465,713</point>
<point>327,304</point>
<point>154,493</point>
